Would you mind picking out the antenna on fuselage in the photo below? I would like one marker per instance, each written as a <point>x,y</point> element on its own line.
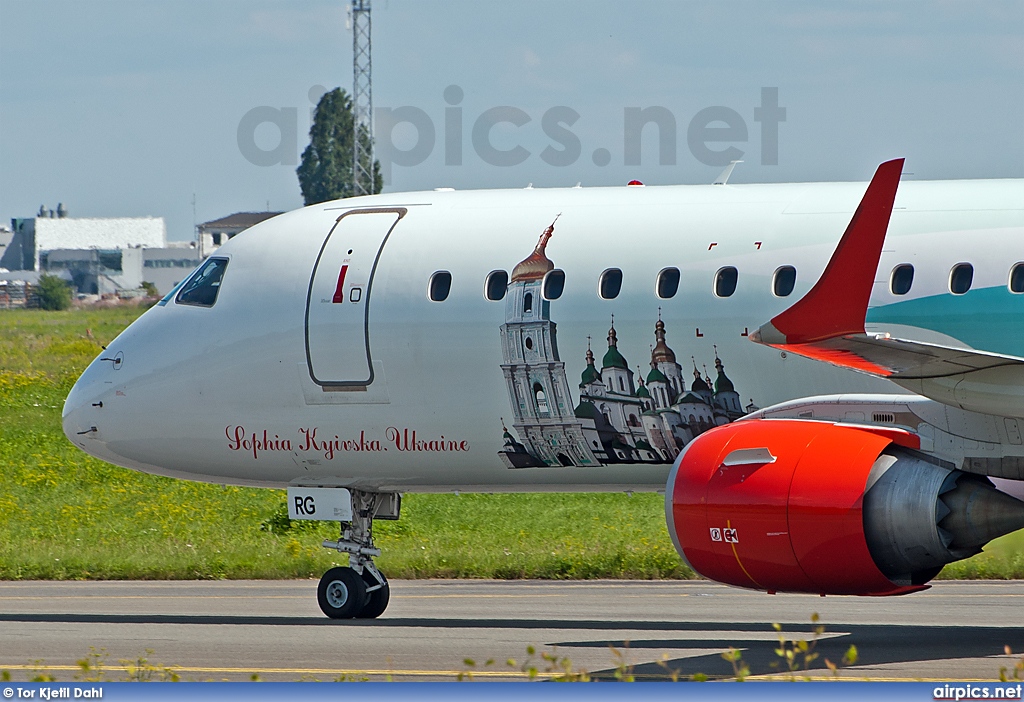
<point>723,177</point>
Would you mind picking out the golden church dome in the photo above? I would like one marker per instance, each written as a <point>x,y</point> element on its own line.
<point>662,353</point>
<point>534,266</point>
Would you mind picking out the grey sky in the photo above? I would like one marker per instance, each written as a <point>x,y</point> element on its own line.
<point>121,108</point>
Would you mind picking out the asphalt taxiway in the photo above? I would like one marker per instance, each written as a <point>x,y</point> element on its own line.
<point>274,629</point>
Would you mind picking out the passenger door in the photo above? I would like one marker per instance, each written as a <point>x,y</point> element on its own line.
<point>338,301</point>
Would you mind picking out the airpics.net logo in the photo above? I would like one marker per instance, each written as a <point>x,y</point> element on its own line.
<point>407,136</point>
<point>964,692</point>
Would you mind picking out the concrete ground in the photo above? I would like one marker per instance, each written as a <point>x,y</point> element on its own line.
<point>274,629</point>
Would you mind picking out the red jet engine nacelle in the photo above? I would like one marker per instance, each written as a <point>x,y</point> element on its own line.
<point>778,505</point>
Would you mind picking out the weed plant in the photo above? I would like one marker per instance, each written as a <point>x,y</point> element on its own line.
<point>1014,674</point>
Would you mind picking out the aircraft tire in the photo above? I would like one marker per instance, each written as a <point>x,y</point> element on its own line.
<point>376,601</point>
<point>341,593</point>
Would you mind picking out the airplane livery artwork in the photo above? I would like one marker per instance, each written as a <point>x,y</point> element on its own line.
<point>619,418</point>
<point>346,352</point>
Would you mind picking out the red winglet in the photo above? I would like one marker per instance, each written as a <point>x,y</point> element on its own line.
<point>838,302</point>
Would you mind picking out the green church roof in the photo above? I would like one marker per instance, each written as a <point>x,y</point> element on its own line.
<point>656,376</point>
<point>689,398</point>
<point>614,359</point>
<point>698,383</point>
<point>722,383</point>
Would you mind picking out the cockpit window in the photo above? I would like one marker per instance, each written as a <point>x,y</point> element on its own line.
<point>170,296</point>
<point>202,288</point>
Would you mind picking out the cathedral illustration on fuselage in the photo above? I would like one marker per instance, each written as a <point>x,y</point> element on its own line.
<point>617,420</point>
<point>538,390</point>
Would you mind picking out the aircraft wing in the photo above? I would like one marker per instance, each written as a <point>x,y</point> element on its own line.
<point>827,324</point>
<point>899,359</point>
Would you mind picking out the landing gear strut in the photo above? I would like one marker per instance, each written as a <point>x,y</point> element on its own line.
<point>359,590</point>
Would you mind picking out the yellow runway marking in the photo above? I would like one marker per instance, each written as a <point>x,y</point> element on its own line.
<point>453,596</point>
<point>291,671</point>
<point>868,678</point>
<point>150,597</point>
<point>475,673</point>
<point>268,597</point>
<point>528,597</point>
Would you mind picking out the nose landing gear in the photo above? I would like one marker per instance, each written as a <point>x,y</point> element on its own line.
<point>360,590</point>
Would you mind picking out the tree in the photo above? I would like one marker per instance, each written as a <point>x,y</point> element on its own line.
<point>326,169</point>
<point>53,292</point>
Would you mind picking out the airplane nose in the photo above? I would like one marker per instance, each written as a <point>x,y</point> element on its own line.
<point>87,419</point>
<point>80,417</point>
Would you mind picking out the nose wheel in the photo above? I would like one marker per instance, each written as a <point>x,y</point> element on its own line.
<point>358,591</point>
<point>342,593</point>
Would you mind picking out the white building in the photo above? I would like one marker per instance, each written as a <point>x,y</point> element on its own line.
<point>33,236</point>
<point>167,267</point>
<point>111,255</point>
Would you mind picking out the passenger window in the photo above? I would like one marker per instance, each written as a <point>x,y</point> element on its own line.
<point>725,281</point>
<point>496,285</point>
<point>668,283</point>
<point>202,288</point>
<point>901,279</point>
<point>1017,278</point>
<point>553,284</point>
<point>440,286</point>
<point>784,281</point>
<point>960,278</point>
<point>610,284</point>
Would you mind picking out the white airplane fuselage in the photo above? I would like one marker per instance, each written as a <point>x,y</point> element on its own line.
<point>379,388</point>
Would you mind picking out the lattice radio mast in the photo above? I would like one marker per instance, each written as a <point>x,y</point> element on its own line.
<point>362,99</point>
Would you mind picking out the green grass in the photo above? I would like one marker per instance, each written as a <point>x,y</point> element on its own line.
<point>66,515</point>
<point>1001,559</point>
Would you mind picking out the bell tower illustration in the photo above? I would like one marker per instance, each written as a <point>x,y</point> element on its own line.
<point>542,409</point>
